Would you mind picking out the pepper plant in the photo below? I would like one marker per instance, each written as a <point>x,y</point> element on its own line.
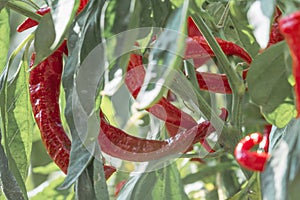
<point>158,99</point>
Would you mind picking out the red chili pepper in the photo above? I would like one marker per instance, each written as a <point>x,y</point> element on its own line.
<point>197,47</point>
<point>254,161</point>
<point>265,142</point>
<point>217,83</point>
<point>44,88</point>
<point>193,30</point>
<point>81,6</point>
<point>29,23</point>
<point>290,28</point>
<point>115,142</point>
<point>275,35</point>
<point>163,110</point>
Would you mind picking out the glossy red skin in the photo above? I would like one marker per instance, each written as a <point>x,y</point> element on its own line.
<point>29,23</point>
<point>266,141</point>
<point>254,161</point>
<point>275,34</point>
<point>193,29</point>
<point>115,142</point>
<point>197,47</point>
<point>217,83</point>
<point>290,27</point>
<point>44,89</point>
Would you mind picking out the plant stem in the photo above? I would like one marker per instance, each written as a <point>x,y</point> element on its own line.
<point>24,11</point>
<point>235,81</point>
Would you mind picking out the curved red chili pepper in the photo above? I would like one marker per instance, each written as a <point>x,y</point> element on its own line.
<point>217,83</point>
<point>265,142</point>
<point>44,89</point>
<point>29,23</point>
<point>119,186</point>
<point>251,160</point>
<point>290,28</point>
<point>115,142</point>
<point>197,47</point>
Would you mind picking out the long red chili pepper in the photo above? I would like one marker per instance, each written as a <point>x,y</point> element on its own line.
<point>29,23</point>
<point>115,142</point>
<point>44,88</point>
<point>254,161</point>
<point>290,28</point>
<point>197,47</point>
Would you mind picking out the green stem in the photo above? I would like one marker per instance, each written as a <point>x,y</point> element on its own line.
<point>207,110</point>
<point>235,82</point>
<point>24,11</point>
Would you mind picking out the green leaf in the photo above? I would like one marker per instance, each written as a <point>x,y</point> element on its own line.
<point>8,182</point>
<point>209,171</point>
<point>164,183</point>
<point>164,59</point>
<point>53,27</point>
<point>100,186</point>
<point>79,43</point>
<point>4,37</point>
<point>50,191</point>
<point>44,38</point>
<point>3,4</point>
<point>19,120</point>
<point>126,17</point>
<point>244,33</point>
<point>282,170</point>
<point>161,11</point>
<point>268,84</point>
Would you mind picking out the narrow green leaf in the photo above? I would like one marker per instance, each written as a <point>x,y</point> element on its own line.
<point>100,186</point>
<point>19,120</point>
<point>161,11</point>
<point>283,168</point>
<point>4,37</point>
<point>79,43</point>
<point>164,59</point>
<point>84,187</point>
<point>209,171</point>
<point>44,38</point>
<point>267,82</point>
<point>8,182</point>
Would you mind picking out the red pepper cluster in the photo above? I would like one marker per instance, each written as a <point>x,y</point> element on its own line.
<point>184,131</point>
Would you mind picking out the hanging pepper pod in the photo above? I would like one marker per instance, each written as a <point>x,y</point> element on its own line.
<point>290,28</point>
<point>254,161</point>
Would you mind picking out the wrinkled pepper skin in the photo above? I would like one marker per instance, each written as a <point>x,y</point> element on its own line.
<point>197,47</point>
<point>115,142</point>
<point>44,88</point>
<point>254,161</point>
<point>290,27</point>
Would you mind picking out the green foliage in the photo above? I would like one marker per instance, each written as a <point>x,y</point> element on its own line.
<point>159,27</point>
